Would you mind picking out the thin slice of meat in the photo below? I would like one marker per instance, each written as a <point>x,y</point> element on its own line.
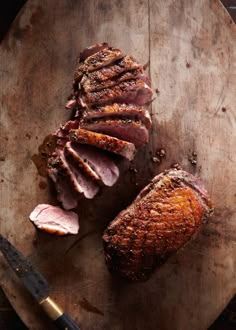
<point>76,180</point>
<point>71,104</point>
<point>55,220</point>
<point>125,129</point>
<point>127,63</point>
<point>98,60</point>
<point>88,51</point>
<point>122,110</point>
<point>64,168</point>
<point>75,159</point>
<point>88,85</point>
<point>105,142</point>
<point>162,219</point>
<point>131,91</point>
<point>89,187</point>
<point>65,193</point>
<point>100,161</point>
<point>62,132</point>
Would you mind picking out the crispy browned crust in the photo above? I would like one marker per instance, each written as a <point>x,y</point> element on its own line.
<point>105,142</point>
<point>161,220</point>
<point>126,129</point>
<point>118,92</point>
<point>97,60</point>
<point>120,110</point>
<point>94,85</point>
<point>108,72</point>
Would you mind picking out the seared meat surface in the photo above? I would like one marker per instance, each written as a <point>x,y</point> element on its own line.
<point>160,221</point>
<point>122,110</point>
<point>92,86</point>
<point>97,60</point>
<point>134,91</point>
<point>125,64</point>
<point>104,142</point>
<point>126,129</point>
<point>110,91</point>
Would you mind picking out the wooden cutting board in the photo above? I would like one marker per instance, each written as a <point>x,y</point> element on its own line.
<point>191,48</point>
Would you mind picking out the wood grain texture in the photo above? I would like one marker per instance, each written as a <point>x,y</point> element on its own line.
<point>191,49</point>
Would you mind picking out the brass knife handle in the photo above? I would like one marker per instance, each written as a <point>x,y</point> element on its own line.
<point>61,319</point>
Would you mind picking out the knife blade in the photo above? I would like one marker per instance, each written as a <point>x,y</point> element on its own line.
<point>36,284</point>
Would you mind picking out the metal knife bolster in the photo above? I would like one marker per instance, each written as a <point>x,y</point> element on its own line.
<point>51,308</point>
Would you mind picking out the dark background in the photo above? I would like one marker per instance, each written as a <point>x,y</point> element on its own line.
<point>9,320</point>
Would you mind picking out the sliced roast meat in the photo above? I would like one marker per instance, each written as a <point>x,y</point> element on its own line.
<point>92,50</point>
<point>108,72</point>
<point>75,159</point>
<point>77,180</point>
<point>89,187</point>
<point>105,142</point>
<point>122,110</point>
<point>91,86</point>
<point>60,164</point>
<point>160,221</point>
<point>62,132</point>
<point>131,91</point>
<point>109,94</point>
<point>65,193</point>
<point>71,103</point>
<point>100,161</point>
<point>55,220</point>
<point>125,129</point>
<point>96,61</point>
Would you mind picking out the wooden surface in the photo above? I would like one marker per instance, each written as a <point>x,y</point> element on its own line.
<point>191,48</point>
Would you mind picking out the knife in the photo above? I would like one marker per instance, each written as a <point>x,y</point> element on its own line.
<point>36,284</point>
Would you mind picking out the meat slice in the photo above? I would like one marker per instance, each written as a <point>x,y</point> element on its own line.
<point>89,85</point>
<point>69,179</point>
<point>127,63</point>
<point>132,91</point>
<point>74,158</point>
<point>125,129</point>
<point>99,161</point>
<point>105,142</point>
<point>96,61</point>
<point>88,186</point>
<point>130,111</point>
<point>64,169</point>
<point>88,51</point>
<point>160,221</point>
<point>65,193</point>
<point>63,131</point>
<point>55,220</point>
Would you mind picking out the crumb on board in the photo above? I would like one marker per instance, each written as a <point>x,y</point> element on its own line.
<point>176,166</point>
<point>159,155</point>
<point>193,158</point>
<point>161,152</point>
<point>188,65</point>
<point>133,169</point>
<point>156,160</point>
